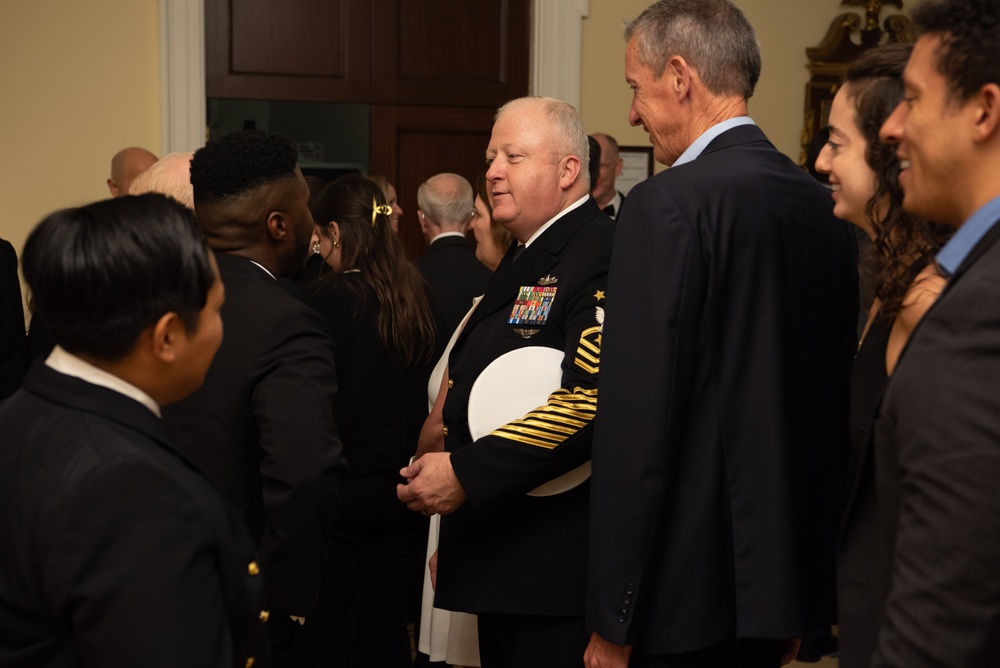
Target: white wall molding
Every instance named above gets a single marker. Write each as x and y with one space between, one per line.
182 74
556 48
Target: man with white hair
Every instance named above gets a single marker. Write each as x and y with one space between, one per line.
516 560
170 175
449 265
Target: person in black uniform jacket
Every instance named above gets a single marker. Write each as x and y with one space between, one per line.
937 435
13 343
518 561
378 309
449 264
116 551
262 425
731 325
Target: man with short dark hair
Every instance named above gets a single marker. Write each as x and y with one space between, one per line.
449 264
116 551
262 426
937 438
513 559
727 346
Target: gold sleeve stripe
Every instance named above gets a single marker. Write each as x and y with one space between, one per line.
596 359
595 349
593 370
547 426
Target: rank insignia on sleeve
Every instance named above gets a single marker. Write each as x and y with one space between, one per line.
532 305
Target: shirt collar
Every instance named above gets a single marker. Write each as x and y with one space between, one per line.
446 234
264 268
699 144
953 254
575 205
70 365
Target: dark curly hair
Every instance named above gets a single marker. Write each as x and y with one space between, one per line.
971 33
238 163
100 274
405 320
904 244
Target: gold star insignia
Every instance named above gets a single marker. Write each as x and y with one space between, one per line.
599 295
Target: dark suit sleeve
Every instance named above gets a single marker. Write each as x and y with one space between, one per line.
293 406
555 437
13 344
944 604
133 573
649 337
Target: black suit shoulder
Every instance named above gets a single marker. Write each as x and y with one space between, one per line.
101 518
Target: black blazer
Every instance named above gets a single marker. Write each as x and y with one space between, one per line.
455 278
937 443
503 551
261 428
13 344
116 551
732 305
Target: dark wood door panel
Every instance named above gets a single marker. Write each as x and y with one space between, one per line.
451 52
315 50
412 143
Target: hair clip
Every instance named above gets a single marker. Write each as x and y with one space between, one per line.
377 208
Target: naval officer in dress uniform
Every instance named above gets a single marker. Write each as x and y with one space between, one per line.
519 561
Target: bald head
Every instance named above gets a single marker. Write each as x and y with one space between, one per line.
127 164
445 202
170 175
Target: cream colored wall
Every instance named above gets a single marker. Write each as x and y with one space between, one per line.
785 28
79 80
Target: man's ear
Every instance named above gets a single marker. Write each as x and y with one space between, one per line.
277 227
113 187
166 336
678 74
569 170
619 164
987 112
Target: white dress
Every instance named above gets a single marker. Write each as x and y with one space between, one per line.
445 635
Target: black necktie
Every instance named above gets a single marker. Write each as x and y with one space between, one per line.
610 210
517 252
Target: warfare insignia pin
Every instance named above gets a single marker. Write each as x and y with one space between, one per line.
526 333
548 279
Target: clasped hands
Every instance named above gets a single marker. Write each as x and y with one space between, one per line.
431 485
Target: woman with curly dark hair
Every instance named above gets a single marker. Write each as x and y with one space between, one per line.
378 310
864 176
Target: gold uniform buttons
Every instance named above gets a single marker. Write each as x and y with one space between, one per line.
444 430
253 568
264 615
451 383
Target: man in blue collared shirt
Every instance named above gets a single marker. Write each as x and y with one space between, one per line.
937 439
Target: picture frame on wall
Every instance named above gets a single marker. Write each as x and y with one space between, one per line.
638 166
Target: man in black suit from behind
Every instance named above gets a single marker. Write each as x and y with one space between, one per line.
937 437
727 347
116 551
449 265
518 561
262 425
